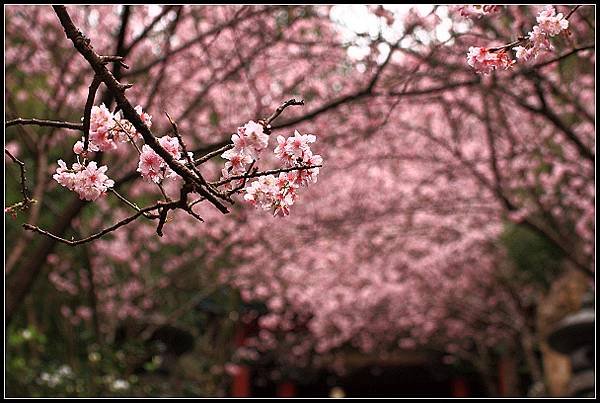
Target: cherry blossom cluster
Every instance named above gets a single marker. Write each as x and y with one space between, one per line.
108 129
485 61
549 24
152 166
294 152
279 194
90 182
248 143
269 192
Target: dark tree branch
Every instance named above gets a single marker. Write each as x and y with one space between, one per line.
186 45
146 31
87 113
571 12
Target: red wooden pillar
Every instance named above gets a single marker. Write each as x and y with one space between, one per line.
241 379
459 387
241 382
507 376
286 389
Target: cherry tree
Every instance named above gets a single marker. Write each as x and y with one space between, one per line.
440 177
432 142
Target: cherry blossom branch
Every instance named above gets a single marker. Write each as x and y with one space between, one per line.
82 44
213 154
523 39
264 173
251 169
129 136
186 189
132 141
520 40
43 122
193 179
163 208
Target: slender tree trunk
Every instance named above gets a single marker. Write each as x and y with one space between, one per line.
21 280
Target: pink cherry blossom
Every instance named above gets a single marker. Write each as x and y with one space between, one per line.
152 167
237 161
171 144
78 147
550 23
485 61
90 182
101 126
256 136
250 139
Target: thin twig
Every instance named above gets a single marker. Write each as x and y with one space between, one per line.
100 233
561 57
519 41
129 136
193 214
192 204
43 122
131 204
571 12
27 201
213 154
278 111
117 59
24 190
